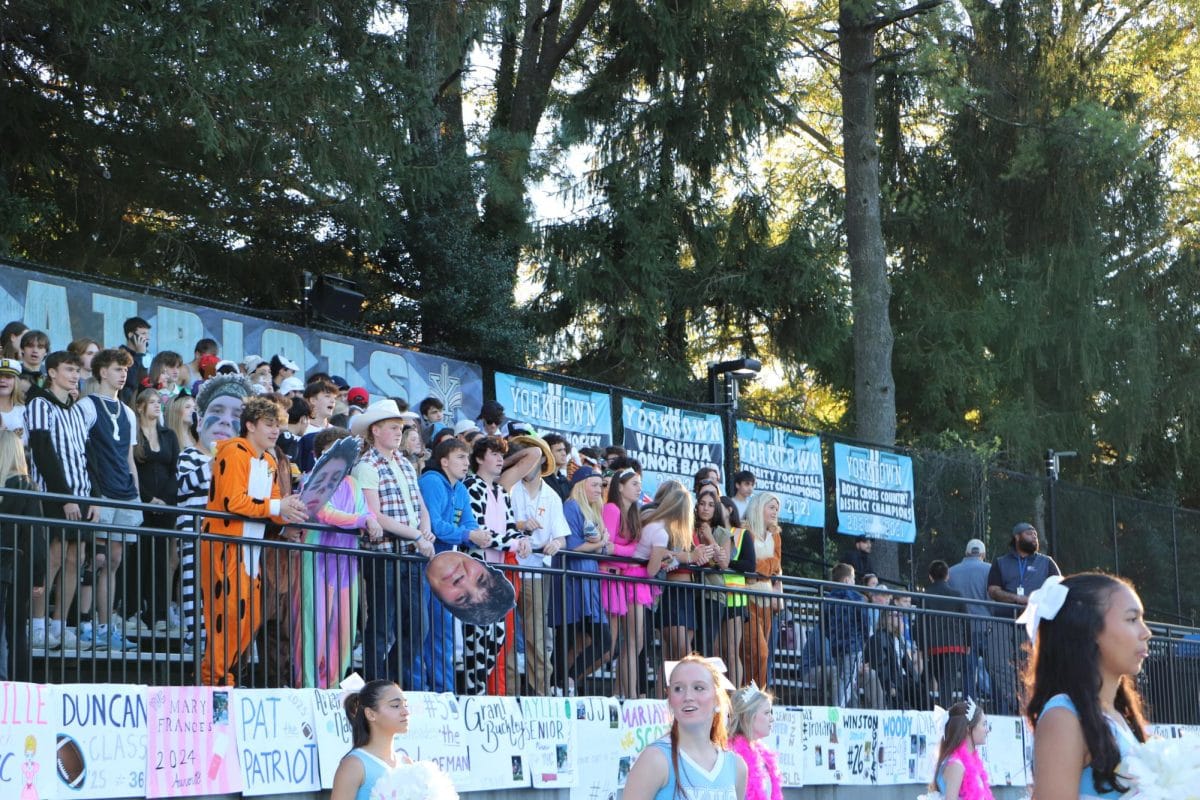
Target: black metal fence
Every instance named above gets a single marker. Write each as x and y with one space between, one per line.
313 613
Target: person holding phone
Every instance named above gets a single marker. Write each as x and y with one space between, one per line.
137 344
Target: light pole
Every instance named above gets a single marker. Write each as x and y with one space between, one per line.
1052 468
735 370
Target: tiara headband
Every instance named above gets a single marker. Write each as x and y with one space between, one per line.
1044 603
747 695
714 662
971 709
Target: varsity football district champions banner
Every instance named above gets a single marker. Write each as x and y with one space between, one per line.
787 464
670 443
584 417
874 493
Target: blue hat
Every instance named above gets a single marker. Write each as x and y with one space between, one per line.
582 474
339 382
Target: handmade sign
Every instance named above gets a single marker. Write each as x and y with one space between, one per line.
27 741
101 733
277 745
192 749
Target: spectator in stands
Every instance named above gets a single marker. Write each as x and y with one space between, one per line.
859 556
670 522
180 417
485 651
10 339
321 395
969 577
86 349
111 429
18 553
433 411
898 673
155 454
298 417
292 388
575 611
491 417
612 453
468 431
137 343
625 601
453 526
12 399
258 370
946 639
877 595
325 609
762 521
243 483
538 511
281 368
846 629
218 412
414 448
357 400
163 375
34 346
728 609
191 372
743 488
558 481
1012 578
706 476
393 588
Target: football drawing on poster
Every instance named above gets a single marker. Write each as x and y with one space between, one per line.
192 749
551 741
27 742
598 723
583 416
277 745
671 443
874 493
101 739
788 464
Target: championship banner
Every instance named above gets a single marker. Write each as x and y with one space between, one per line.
192 749
67 309
823 754
583 416
874 493
551 741
101 740
670 443
27 741
597 722
334 737
787 464
277 745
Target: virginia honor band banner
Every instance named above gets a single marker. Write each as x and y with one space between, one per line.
583 416
68 309
874 493
671 443
787 464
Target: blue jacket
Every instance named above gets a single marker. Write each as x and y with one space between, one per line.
449 510
846 622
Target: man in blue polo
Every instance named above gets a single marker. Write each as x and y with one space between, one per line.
1013 577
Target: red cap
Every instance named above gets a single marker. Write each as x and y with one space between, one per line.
358 397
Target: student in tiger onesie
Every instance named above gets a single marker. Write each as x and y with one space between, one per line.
243 483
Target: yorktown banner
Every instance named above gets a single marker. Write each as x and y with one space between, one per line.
583 416
787 464
671 443
874 493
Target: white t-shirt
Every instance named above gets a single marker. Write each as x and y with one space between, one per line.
546 507
15 421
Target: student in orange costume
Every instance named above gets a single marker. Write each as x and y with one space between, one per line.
243 483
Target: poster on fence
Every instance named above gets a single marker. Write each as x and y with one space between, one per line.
495 736
551 741
874 493
1008 746
671 443
598 723
924 737
1174 731
101 740
67 309
192 749
277 745
642 722
334 737
27 740
436 733
787 740
824 754
583 416
787 464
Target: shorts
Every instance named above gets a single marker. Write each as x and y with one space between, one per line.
122 519
677 606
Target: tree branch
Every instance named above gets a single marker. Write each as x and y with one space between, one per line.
884 20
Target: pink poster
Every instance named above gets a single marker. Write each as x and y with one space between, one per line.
27 741
192 745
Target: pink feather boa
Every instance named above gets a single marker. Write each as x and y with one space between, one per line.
975 784
758 757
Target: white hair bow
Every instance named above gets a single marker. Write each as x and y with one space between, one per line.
1044 603
712 661
351 684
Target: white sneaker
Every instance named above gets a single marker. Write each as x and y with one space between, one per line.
40 638
65 636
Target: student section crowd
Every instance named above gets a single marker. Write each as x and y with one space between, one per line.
243 439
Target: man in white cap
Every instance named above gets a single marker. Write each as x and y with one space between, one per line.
389 484
969 577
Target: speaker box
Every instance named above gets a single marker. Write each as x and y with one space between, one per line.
336 299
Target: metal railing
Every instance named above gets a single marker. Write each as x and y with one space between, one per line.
315 612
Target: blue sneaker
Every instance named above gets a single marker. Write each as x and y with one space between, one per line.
115 641
86 639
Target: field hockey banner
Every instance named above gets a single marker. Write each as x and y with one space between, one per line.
874 493
671 443
68 309
583 416
101 740
787 464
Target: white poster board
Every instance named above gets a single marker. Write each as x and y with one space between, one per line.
277 744
551 741
598 724
27 741
102 737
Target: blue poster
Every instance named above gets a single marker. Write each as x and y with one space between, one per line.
874 493
40 300
670 443
584 417
787 464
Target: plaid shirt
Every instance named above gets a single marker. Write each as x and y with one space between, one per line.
399 496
